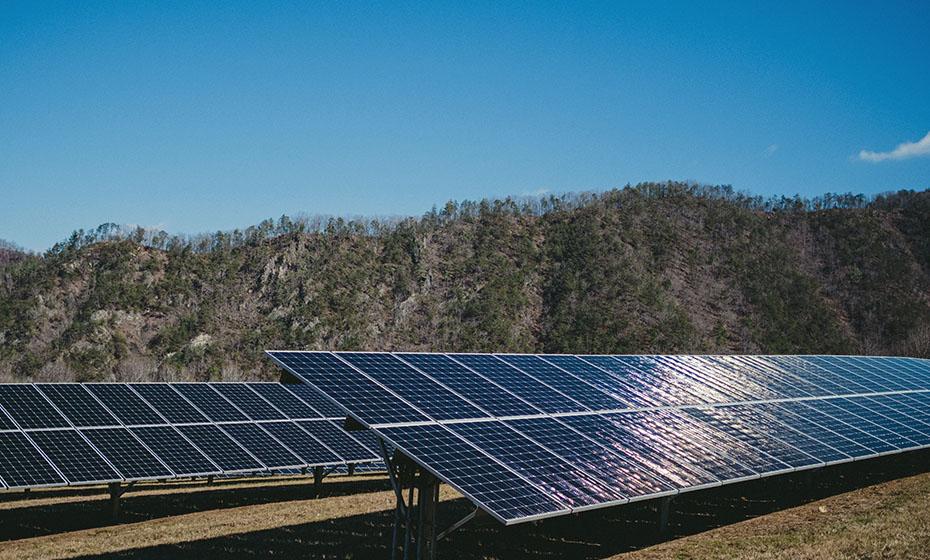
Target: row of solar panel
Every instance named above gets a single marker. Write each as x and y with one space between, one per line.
384 389
525 469
68 433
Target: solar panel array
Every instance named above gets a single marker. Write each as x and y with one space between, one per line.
532 436
54 434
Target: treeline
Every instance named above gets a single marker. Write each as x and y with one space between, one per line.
656 267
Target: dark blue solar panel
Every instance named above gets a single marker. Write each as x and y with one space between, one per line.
559 379
26 405
308 448
21 464
870 443
807 426
211 403
260 443
414 387
636 384
702 372
497 489
6 423
601 379
74 457
368 401
248 401
220 448
125 404
338 440
631 478
901 414
562 480
540 395
830 382
687 445
871 382
314 399
876 425
169 403
642 451
127 454
722 420
79 406
284 400
176 452
481 391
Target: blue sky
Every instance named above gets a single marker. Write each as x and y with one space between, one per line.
203 116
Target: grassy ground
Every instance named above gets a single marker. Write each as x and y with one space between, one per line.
877 510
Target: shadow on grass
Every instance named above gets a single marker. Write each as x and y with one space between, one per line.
591 535
26 520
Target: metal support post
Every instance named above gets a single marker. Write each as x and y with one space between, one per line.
317 482
115 493
209 479
665 509
428 502
351 467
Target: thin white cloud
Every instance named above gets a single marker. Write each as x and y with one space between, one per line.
770 150
920 148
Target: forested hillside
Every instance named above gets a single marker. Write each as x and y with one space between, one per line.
653 268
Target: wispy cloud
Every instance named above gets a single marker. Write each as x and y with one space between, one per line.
920 148
537 192
770 151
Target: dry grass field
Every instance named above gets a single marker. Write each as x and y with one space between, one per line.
880 509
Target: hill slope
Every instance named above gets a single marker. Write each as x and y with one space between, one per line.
652 268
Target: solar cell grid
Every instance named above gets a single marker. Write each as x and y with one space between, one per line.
260 444
598 378
211 403
876 426
531 390
309 449
77 404
483 392
873 368
284 400
561 380
369 402
631 381
22 465
125 404
499 490
832 382
414 387
561 479
721 419
127 454
175 451
315 400
911 427
337 439
808 416
169 403
220 448
763 420
6 423
709 377
871 383
248 401
630 478
26 405
73 456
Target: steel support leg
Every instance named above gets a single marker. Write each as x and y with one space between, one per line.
351 467
115 493
317 482
427 504
665 510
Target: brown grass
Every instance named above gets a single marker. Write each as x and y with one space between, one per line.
278 518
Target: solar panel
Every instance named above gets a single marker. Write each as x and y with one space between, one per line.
130 457
590 431
6 423
76 459
483 392
24 466
79 406
412 386
211 403
333 437
314 399
500 491
125 404
370 402
310 450
220 448
284 400
248 401
26 405
267 449
530 389
169 403
175 451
